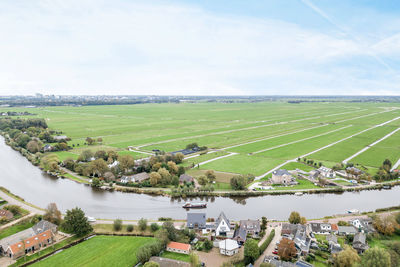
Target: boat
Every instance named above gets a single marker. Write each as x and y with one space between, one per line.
387 186
199 205
298 193
91 219
353 211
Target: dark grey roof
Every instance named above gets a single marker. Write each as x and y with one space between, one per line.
347 229
185 178
220 218
240 233
360 237
42 226
196 218
303 264
253 225
281 172
331 238
279 263
301 240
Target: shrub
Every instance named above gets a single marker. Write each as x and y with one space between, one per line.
117 225
129 228
142 224
154 227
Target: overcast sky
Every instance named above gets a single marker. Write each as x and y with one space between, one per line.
199 47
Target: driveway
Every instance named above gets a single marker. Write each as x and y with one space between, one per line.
215 259
271 247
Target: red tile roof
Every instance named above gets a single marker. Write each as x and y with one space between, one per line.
334 227
176 245
31 241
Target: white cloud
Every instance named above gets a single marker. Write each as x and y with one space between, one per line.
100 47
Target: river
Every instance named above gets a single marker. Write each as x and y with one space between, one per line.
27 181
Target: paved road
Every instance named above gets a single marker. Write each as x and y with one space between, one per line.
272 245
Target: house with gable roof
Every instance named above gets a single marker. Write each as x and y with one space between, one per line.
222 225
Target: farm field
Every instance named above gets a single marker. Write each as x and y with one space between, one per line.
260 135
99 251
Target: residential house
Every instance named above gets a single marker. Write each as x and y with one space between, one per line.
335 228
320 228
334 246
291 229
363 224
302 241
283 177
47 148
228 247
360 242
240 235
6 214
184 178
222 225
60 137
136 178
347 230
252 227
327 172
30 245
38 228
178 247
353 172
196 220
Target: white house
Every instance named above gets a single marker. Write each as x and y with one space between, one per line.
222 225
327 172
228 247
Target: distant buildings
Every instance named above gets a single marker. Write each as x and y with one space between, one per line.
185 178
136 178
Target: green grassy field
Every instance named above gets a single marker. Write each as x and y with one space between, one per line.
15 229
263 134
176 256
99 251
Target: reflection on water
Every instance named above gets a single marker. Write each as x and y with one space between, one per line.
22 178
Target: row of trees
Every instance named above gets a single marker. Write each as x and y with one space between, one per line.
240 182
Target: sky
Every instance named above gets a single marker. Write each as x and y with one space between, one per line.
211 47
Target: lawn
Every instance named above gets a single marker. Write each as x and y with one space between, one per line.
303 184
99 251
298 165
176 256
382 241
15 229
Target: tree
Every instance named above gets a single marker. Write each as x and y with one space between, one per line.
303 220
202 180
346 258
397 216
126 162
210 175
208 245
386 225
90 140
109 176
286 249
162 235
22 140
251 251
142 224
129 227
52 214
86 155
143 254
99 140
170 228
76 222
238 182
194 260
165 176
69 163
117 225
264 222
155 178
172 167
294 217
179 157
99 166
33 146
151 264
96 182
14 209
100 154
375 257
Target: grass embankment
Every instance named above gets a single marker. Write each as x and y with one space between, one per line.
108 229
176 256
76 178
99 251
7 192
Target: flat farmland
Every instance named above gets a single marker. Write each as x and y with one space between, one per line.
260 135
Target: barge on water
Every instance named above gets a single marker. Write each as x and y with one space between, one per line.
189 205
